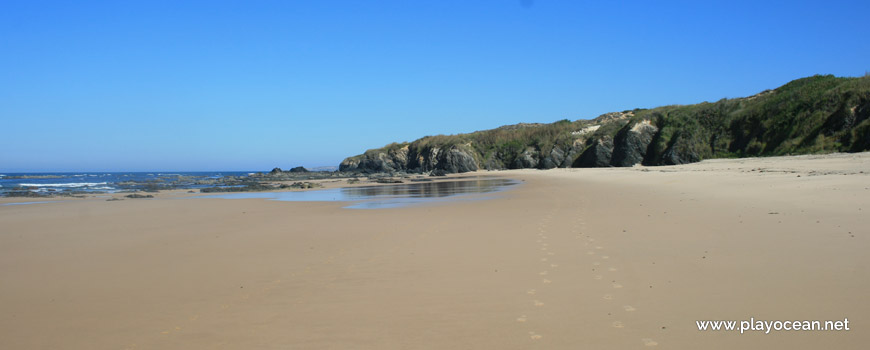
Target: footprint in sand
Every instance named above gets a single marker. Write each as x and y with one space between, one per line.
617 285
538 241
542 273
531 292
543 259
544 248
546 281
521 318
537 303
618 324
649 342
598 277
596 263
605 257
589 252
534 336
608 297
599 247
554 265
551 253
611 269
628 308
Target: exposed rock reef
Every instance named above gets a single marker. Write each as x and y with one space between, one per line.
818 114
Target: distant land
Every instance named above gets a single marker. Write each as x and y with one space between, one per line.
818 114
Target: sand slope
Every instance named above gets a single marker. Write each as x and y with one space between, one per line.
573 258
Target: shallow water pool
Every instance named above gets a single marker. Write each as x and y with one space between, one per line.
386 196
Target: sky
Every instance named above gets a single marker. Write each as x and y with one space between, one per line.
252 85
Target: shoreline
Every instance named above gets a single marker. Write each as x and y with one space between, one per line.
749 164
611 258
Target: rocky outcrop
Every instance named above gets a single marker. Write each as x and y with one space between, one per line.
680 152
554 159
527 159
809 115
598 154
279 171
451 160
377 161
631 143
404 159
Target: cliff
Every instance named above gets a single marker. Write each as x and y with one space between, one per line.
811 115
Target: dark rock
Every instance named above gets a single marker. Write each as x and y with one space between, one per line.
597 155
456 161
242 187
450 160
377 161
528 159
388 181
136 195
494 163
554 159
680 152
19 192
300 185
299 169
631 143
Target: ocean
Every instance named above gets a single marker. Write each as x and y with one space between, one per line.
109 182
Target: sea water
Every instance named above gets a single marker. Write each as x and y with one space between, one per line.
105 181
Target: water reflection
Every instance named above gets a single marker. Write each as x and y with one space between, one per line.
386 196
426 189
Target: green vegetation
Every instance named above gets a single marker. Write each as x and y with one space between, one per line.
503 145
811 115
817 114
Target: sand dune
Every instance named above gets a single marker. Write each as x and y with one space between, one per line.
572 258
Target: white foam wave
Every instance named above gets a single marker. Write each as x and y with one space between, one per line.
72 184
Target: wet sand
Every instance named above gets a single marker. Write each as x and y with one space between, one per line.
572 258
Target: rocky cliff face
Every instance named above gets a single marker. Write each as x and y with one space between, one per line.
405 159
597 155
377 161
455 159
631 143
816 114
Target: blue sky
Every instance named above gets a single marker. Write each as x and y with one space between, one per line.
250 85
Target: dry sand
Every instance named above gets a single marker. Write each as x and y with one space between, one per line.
572 258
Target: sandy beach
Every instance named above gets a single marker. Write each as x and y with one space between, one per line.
608 258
